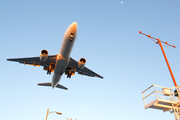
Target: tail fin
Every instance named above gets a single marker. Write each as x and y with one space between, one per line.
49 84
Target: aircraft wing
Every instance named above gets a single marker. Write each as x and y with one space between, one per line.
51 60
35 61
73 64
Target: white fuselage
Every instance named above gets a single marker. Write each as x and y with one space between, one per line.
63 57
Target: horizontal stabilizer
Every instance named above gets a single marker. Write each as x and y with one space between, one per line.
45 84
62 87
49 84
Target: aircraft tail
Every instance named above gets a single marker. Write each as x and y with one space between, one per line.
49 84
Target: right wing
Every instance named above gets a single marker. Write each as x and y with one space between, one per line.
73 64
35 61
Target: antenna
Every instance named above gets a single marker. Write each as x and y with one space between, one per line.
157 41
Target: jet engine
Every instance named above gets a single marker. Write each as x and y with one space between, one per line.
43 55
81 63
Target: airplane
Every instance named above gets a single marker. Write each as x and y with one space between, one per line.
60 63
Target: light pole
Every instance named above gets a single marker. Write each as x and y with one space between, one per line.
60 113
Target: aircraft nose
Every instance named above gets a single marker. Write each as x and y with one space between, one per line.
73 27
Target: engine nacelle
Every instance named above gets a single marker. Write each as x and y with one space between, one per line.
81 63
43 55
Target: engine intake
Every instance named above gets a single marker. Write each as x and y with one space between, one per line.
81 63
43 55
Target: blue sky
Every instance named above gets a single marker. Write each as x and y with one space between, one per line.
109 40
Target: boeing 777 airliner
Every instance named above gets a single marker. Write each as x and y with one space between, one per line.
60 63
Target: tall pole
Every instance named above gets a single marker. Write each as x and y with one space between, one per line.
167 62
47 113
160 44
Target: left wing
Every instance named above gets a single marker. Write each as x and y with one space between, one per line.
35 61
73 65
